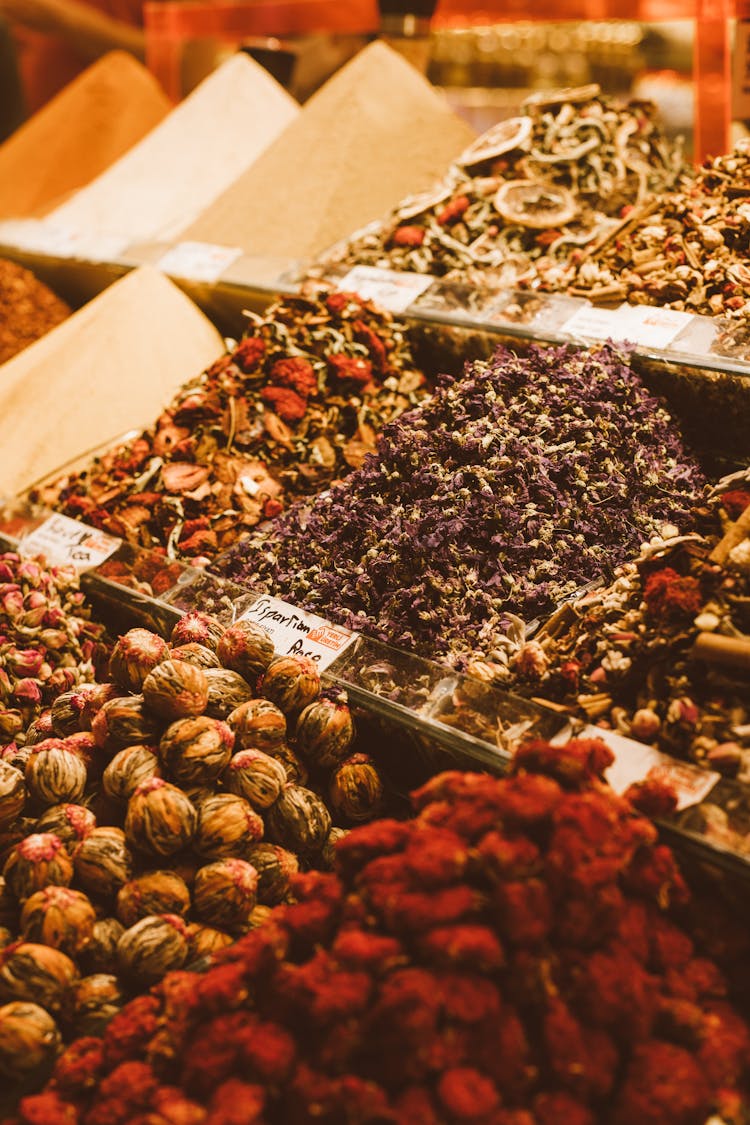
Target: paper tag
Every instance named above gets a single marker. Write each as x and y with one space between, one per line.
40 236
653 327
392 290
591 323
295 632
66 542
199 261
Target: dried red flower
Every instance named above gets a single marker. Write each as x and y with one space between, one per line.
287 404
296 373
670 596
467 1094
236 1103
735 501
375 346
249 353
652 797
663 1083
48 1109
355 368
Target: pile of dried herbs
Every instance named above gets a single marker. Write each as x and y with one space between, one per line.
28 309
504 493
529 196
295 405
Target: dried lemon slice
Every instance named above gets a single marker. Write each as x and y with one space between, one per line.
501 138
528 203
572 95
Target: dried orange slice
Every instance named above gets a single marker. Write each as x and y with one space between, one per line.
545 99
529 203
501 138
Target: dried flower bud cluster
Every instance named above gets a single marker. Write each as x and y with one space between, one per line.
28 309
295 405
513 955
495 497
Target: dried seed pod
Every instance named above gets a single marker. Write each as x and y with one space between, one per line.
124 721
12 793
204 941
226 826
128 769
276 867
328 853
155 892
160 818
69 710
246 648
37 862
103 861
256 776
299 820
29 1038
199 655
196 751
38 973
60 917
197 628
226 690
100 955
225 893
92 1002
175 690
324 733
356 789
152 947
258 725
54 774
133 657
291 682
70 822
296 770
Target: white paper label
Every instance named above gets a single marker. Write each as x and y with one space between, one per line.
66 542
39 236
590 323
198 261
393 291
652 327
295 632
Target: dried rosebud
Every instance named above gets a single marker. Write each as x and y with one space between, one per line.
152 947
100 955
196 751
246 648
36 862
103 861
227 824
122 722
128 769
258 724
226 691
133 657
29 1038
197 628
255 776
225 893
70 822
299 820
276 867
60 917
92 1002
12 793
291 682
54 774
160 818
356 789
324 732
198 655
37 973
155 892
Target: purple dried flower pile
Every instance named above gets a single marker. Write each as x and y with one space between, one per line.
509 489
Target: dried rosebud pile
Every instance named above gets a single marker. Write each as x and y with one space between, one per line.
48 643
28 309
526 199
511 956
294 406
505 492
165 813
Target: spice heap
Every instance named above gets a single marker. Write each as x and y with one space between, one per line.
662 654
373 133
529 196
28 309
511 955
493 497
165 180
48 644
111 364
163 814
294 406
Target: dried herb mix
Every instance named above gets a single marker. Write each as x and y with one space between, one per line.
28 309
294 406
503 493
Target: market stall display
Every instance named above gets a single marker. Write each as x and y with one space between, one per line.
112 363
186 161
84 129
501 495
519 951
373 133
28 309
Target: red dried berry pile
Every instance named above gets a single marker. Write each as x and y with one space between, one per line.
508 957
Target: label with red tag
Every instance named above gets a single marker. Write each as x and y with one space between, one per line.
298 633
66 542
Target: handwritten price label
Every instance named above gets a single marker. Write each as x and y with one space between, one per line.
297 633
389 289
66 542
198 261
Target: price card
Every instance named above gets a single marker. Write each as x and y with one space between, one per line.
198 261
394 291
295 632
40 236
590 323
66 542
653 327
